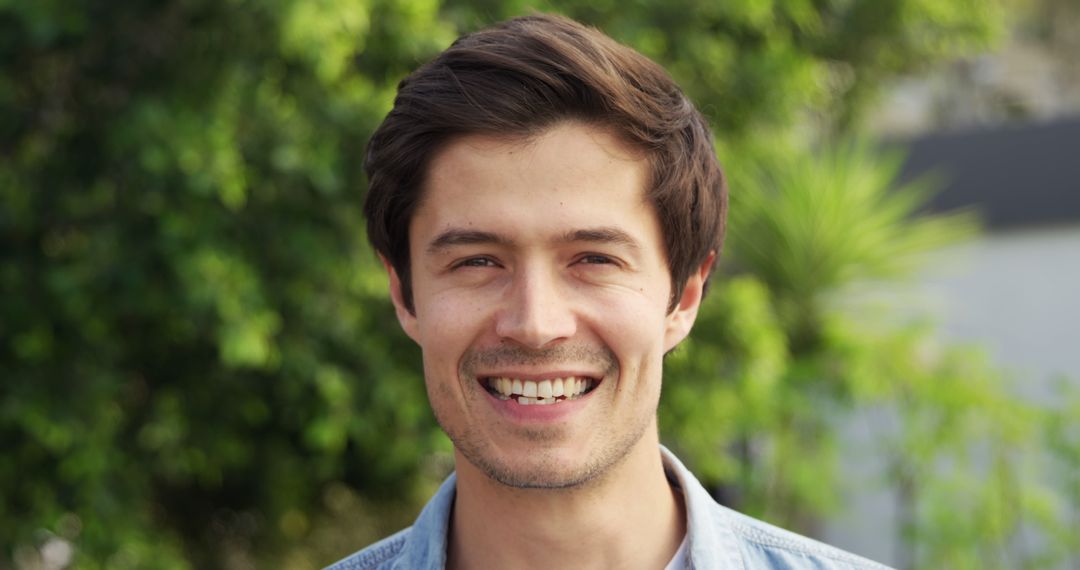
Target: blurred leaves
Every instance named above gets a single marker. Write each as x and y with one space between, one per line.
810 223
187 330
783 364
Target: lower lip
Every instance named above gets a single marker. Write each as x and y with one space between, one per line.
538 413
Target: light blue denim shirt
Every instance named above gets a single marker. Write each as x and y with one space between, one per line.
718 537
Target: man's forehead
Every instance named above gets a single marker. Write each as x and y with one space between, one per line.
579 150
571 183
480 147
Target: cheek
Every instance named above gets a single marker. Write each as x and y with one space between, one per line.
632 326
447 327
441 390
441 318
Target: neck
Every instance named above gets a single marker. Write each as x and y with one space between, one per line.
629 517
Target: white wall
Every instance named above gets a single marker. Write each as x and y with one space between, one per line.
1017 294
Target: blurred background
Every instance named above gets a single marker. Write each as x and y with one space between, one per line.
200 367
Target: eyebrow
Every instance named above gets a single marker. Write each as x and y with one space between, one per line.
601 235
453 237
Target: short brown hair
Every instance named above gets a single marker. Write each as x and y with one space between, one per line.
522 76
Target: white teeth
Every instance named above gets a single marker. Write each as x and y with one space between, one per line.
557 387
544 392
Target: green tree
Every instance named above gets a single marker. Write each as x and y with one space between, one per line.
756 67
785 351
195 338
806 228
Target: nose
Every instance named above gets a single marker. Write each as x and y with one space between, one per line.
537 311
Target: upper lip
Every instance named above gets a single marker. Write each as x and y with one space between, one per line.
537 376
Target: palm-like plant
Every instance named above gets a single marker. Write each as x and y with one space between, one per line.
809 224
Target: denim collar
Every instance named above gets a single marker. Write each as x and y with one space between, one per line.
711 541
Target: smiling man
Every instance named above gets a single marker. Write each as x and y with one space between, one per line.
549 207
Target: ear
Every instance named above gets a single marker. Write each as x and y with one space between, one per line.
681 319
404 317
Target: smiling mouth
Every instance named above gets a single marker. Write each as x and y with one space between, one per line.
542 393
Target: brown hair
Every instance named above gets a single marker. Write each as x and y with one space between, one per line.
524 75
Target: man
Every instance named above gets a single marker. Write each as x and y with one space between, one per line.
549 207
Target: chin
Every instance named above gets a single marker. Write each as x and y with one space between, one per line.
533 465
543 470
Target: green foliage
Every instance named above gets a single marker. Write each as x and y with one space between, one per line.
192 324
757 66
782 356
804 227
198 361
809 224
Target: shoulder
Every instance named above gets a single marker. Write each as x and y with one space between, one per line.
723 538
421 546
379 556
766 546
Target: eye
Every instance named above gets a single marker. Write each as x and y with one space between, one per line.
475 262
596 259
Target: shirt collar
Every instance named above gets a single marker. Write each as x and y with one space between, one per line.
425 546
711 541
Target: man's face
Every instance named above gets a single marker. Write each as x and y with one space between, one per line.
540 287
